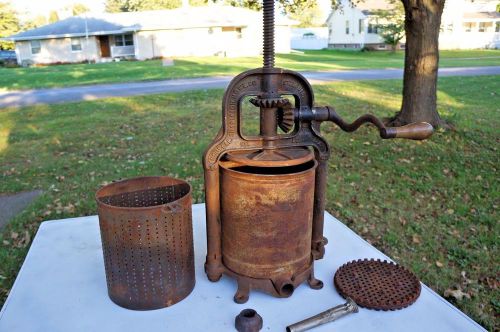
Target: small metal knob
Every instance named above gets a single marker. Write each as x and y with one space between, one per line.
248 320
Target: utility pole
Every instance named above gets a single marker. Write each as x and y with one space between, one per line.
86 39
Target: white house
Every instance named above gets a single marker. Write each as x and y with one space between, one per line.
355 26
187 31
465 24
470 25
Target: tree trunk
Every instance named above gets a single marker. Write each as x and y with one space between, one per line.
422 23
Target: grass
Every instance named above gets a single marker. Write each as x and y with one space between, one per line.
79 74
430 205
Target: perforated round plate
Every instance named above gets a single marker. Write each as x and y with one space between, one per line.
376 284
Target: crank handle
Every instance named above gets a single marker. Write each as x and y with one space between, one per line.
415 131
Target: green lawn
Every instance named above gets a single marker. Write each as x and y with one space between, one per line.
67 75
430 205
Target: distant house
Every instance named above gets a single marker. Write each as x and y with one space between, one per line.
355 26
470 25
465 24
187 31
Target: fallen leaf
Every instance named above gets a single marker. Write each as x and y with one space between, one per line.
24 241
416 239
439 264
457 294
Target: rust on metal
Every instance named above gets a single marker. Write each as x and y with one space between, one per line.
261 203
147 241
262 209
376 284
271 158
248 320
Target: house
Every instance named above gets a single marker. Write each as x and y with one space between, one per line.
470 25
465 24
187 31
355 26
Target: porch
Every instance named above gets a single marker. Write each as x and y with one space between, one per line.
116 46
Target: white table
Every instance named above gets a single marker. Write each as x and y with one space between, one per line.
62 287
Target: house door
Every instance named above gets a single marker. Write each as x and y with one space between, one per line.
104 43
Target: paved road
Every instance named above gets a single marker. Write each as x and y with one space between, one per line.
92 92
11 205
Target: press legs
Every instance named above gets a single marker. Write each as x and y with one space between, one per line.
241 295
313 282
213 264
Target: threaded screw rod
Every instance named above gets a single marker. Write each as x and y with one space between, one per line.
268 47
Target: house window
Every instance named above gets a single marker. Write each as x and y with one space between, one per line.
124 40
361 26
233 29
497 27
76 44
346 27
309 35
372 28
485 26
468 26
381 47
36 47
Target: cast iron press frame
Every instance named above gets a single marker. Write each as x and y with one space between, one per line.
268 85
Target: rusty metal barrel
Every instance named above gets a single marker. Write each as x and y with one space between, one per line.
266 220
147 241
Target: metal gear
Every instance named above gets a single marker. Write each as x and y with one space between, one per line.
269 102
286 118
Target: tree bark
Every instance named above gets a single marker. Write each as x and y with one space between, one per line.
422 24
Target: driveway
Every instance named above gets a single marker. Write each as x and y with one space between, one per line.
93 92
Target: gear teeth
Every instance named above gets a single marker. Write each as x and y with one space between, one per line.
269 102
286 119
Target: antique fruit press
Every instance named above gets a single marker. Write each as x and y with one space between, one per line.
265 194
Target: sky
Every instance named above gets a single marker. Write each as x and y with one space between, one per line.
32 8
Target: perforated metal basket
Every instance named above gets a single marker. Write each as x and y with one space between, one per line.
147 241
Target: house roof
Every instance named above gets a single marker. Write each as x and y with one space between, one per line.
114 23
482 15
72 27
